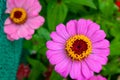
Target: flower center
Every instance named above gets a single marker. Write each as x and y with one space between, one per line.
18 15
78 47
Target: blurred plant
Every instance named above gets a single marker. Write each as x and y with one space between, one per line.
23 72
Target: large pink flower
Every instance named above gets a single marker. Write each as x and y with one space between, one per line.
24 18
78 49
99 77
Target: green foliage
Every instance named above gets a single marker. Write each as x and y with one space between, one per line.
103 12
88 3
107 7
56 13
55 76
37 68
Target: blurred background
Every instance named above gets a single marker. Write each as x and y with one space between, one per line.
34 64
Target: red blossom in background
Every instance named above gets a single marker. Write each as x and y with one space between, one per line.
118 4
23 72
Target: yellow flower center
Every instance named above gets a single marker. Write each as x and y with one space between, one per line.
18 15
78 47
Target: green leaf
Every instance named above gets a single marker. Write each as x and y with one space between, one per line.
115 47
56 13
88 3
37 68
43 33
115 29
76 8
111 69
107 7
55 76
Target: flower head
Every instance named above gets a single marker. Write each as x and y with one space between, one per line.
78 49
24 19
23 72
99 77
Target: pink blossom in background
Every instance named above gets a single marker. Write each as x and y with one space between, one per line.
24 19
99 77
78 49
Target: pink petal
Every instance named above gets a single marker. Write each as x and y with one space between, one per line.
61 30
35 22
35 9
101 52
80 77
92 29
100 59
50 53
30 30
55 37
56 57
64 67
101 78
71 27
54 45
86 71
88 22
75 70
11 28
8 37
101 44
82 26
19 3
98 35
94 66
22 31
14 36
8 21
28 4
10 5
28 37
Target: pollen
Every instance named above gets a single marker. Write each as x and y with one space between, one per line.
78 47
18 15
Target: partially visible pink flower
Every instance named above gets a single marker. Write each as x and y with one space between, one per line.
99 77
23 72
24 19
78 49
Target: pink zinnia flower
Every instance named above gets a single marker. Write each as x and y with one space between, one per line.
99 77
23 72
78 49
24 19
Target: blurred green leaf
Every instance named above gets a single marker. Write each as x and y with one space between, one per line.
115 29
55 76
43 33
77 8
112 67
115 47
88 3
107 7
56 13
37 68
